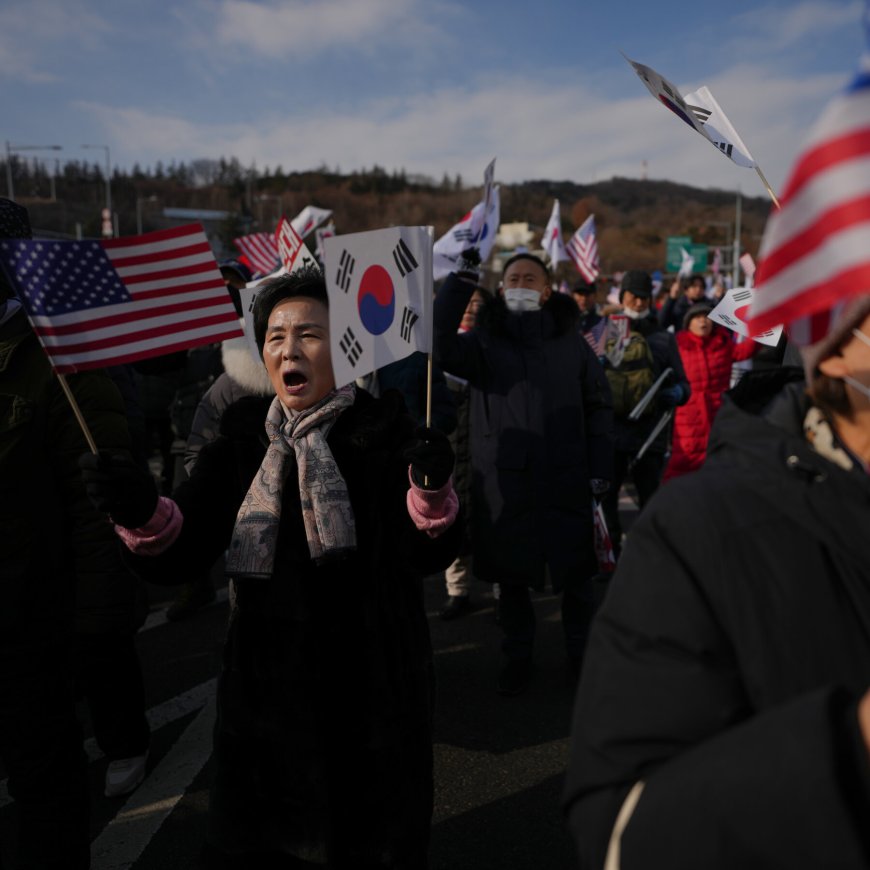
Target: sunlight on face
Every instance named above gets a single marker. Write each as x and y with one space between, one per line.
296 352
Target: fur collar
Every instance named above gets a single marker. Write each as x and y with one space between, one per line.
243 368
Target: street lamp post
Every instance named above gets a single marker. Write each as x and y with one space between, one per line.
12 149
263 197
139 201
108 187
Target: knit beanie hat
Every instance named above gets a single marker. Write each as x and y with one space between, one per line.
637 282
696 310
14 224
14 220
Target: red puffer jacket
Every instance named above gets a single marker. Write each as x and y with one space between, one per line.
707 362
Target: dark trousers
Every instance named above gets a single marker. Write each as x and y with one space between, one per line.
109 677
646 475
41 748
517 618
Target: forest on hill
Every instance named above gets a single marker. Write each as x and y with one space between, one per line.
633 217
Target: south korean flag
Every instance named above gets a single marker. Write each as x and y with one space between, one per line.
380 298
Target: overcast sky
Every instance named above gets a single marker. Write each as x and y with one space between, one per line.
431 86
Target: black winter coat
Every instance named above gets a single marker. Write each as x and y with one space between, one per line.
324 741
541 428
724 666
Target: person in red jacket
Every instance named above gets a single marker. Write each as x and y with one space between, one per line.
708 352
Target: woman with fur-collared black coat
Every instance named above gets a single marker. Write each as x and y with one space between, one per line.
323 743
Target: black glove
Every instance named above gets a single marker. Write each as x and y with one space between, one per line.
431 458
119 487
670 397
469 263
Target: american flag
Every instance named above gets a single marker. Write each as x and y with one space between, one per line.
815 253
582 247
261 249
98 303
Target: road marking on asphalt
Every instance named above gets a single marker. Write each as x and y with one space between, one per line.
158 617
169 711
497 776
456 648
125 838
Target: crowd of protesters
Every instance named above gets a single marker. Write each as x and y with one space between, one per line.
723 674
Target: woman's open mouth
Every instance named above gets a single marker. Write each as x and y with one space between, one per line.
295 382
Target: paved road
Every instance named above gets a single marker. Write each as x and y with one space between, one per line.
498 761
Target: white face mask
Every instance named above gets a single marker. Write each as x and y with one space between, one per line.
634 314
522 299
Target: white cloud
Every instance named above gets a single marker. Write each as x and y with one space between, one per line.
294 27
536 131
774 29
31 34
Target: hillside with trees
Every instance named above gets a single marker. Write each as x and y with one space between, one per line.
633 217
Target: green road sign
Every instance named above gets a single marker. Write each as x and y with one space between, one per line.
674 256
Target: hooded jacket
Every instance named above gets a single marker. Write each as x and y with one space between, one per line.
725 664
541 428
707 362
242 376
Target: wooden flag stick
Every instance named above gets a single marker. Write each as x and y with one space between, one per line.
77 411
428 403
767 185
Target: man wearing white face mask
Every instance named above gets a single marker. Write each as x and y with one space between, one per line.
541 446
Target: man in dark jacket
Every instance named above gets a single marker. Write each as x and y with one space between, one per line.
723 718
541 445
51 538
631 436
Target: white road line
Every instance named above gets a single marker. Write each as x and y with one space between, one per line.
125 838
169 711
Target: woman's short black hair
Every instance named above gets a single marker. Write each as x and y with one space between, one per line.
308 282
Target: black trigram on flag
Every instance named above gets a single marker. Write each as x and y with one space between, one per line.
463 235
701 115
404 258
345 271
724 147
729 320
742 296
351 347
409 318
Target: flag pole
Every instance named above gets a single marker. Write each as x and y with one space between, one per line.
428 402
77 411
767 185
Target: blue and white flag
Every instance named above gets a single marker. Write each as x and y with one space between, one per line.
380 298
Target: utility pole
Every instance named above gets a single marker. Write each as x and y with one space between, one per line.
735 265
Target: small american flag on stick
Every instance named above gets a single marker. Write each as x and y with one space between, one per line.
261 249
582 247
99 303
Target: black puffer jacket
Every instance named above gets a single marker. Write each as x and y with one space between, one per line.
541 428
724 667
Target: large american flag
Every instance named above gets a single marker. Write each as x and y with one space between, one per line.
582 247
261 249
98 303
815 253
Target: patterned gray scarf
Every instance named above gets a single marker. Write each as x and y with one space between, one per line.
326 510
